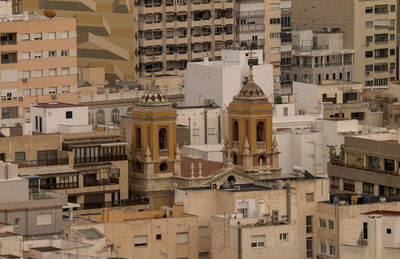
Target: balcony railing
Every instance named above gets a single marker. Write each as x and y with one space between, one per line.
360 167
251 27
101 182
45 195
109 204
50 186
9 42
9 61
36 163
78 160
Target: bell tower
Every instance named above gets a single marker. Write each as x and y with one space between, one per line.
155 155
250 139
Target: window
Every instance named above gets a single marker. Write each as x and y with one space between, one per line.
52 72
285 111
26 92
9 113
368 39
388 231
322 223
100 117
383 37
52 90
274 35
258 241
68 114
273 7
37 55
309 224
283 236
19 156
65 89
275 21
26 36
138 138
327 76
310 197
331 224
26 55
52 36
182 238
17 222
380 9
260 131
52 53
332 249
140 241
368 189
39 91
65 71
26 74
322 247
158 236
392 37
369 9
38 73
392 52
64 35
369 54
309 247
204 231
44 219
365 230
64 53
37 36
115 116
369 24
392 8
162 138
235 131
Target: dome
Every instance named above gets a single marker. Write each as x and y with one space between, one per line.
251 89
153 96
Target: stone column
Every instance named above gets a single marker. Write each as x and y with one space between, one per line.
340 184
376 189
358 187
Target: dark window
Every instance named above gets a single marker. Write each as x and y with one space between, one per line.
389 165
162 138
357 115
392 52
68 115
369 9
368 189
235 131
388 231
365 230
158 236
309 224
392 8
260 131
9 112
309 247
20 156
138 138
163 167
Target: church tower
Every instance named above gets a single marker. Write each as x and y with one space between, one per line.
155 155
251 144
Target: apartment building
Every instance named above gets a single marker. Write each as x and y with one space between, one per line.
31 212
369 28
259 26
369 165
318 56
90 168
134 39
164 233
38 63
286 46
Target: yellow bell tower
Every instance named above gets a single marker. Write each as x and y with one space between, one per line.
251 145
155 155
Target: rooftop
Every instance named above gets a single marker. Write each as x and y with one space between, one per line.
90 233
248 187
55 105
29 17
46 249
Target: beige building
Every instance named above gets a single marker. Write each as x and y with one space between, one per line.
369 28
168 233
10 242
38 62
91 168
369 164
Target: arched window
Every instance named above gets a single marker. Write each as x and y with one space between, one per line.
115 116
162 138
138 138
235 159
260 131
100 117
235 131
163 167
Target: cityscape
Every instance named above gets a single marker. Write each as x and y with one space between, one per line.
200 129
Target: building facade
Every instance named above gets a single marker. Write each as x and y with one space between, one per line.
369 28
38 63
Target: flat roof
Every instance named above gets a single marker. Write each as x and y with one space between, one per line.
243 188
53 105
29 17
7 234
46 170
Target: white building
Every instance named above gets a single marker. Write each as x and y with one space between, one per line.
59 118
379 237
221 80
204 152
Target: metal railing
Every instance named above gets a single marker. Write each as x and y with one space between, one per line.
250 13
50 186
78 160
365 168
45 195
108 181
37 163
108 204
9 42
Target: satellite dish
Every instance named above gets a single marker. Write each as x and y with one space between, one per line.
49 13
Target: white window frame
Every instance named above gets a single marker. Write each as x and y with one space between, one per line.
39 73
66 89
65 71
52 72
182 238
53 36
26 55
64 34
257 241
140 241
25 36
37 36
44 219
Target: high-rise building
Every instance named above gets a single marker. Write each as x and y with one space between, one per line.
134 39
369 27
38 62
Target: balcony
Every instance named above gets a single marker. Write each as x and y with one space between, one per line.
251 27
8 38
79 160
254 13
9 58
36 163
101 182
50 186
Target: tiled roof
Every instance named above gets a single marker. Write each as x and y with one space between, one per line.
207 167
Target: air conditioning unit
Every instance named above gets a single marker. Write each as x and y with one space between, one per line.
54 96
24 80
276 216
21 98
